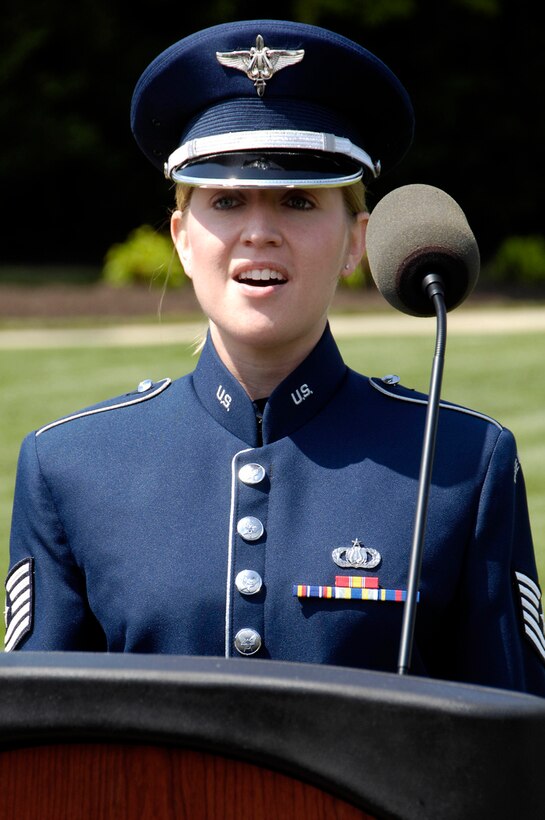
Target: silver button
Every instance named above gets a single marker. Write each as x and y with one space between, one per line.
247 641
250 528
248 582
251 473
144 386
393 380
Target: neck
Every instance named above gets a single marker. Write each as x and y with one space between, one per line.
260 369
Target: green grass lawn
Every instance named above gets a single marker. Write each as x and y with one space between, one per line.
499 375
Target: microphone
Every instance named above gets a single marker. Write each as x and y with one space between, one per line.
425 261
416 230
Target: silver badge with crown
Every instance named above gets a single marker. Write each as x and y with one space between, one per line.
260 63
356 556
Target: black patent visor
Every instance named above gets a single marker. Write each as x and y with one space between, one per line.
271 169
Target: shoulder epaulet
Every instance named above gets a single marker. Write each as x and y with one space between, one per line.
390 386
145 391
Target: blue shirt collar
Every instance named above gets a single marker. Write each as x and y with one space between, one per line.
291 405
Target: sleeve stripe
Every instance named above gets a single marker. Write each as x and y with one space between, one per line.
22 599
22 615
533 610
19 603
535 641
17 575
527 594
525 581
19 588
529 623
19 632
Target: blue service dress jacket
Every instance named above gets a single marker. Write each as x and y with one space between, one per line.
175 520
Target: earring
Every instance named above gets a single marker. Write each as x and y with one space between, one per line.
346 267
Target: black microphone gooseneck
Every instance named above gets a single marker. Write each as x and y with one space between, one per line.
425 261
432 284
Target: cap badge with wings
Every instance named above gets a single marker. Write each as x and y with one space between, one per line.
260 63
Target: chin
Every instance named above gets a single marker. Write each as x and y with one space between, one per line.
265 335
268 334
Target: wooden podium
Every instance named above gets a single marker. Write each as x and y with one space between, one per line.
139 736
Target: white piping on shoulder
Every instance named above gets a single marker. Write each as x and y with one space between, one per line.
458 409
229 585
162 385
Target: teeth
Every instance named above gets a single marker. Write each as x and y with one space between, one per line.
262 275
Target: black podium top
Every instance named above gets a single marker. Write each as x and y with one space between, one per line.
401 747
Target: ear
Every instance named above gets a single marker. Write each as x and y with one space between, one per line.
179 236
356 243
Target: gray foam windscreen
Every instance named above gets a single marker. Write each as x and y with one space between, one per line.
416 230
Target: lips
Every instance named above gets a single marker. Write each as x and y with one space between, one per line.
261 277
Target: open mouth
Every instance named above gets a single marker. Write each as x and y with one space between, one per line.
261 277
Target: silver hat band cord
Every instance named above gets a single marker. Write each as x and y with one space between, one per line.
265 140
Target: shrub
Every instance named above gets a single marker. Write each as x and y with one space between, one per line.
146 257
519 259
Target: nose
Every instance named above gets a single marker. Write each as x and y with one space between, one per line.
260 226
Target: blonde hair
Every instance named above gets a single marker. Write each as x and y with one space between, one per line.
353 196
182 195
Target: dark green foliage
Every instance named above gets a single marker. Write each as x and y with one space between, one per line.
519 259
147 257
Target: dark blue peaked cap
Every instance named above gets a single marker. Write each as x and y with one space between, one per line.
270 103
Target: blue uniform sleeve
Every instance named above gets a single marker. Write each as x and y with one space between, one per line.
46 604
498 626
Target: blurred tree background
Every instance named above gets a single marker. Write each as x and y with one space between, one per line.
74 183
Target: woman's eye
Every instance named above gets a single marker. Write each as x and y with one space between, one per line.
225 203
299 202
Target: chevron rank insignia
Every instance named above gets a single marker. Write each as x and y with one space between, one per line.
19 603
532 612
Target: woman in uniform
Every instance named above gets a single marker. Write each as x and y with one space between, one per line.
261 507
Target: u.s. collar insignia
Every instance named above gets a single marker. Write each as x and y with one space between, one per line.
260 63
356 556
